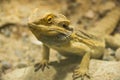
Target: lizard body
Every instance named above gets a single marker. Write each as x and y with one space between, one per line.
54 31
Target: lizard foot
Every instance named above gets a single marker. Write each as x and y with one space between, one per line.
80 73
42 65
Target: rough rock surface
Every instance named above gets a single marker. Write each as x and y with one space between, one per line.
117 54
105 70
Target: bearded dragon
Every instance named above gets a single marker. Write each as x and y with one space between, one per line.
54 31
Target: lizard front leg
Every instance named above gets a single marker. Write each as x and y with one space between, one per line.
45 58
82 69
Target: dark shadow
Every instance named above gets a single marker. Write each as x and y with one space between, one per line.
64 67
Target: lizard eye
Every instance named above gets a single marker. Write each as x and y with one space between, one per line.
49 19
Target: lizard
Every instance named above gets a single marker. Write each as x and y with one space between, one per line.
54 31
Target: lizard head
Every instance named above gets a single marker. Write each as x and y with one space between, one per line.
50 24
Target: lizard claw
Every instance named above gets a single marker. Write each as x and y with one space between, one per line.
41 65
81 73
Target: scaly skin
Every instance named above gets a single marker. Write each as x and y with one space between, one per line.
53 30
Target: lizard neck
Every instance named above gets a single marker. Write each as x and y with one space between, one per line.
56 40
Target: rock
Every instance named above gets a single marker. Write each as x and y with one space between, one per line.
105 70
117 54
109 55
6 32
5 65
107 6
19 53
113 41
22 64
90 14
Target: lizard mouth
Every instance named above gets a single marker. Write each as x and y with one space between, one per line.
49 29
59 32
33 26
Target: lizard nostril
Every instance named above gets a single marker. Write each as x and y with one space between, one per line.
67 27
